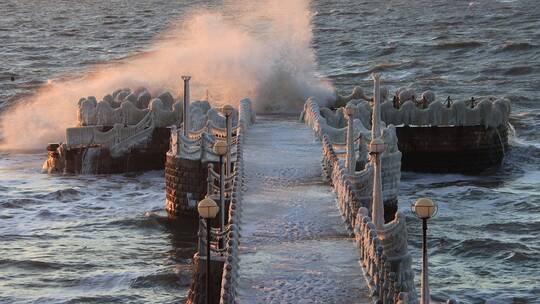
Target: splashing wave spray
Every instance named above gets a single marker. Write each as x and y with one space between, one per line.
262 52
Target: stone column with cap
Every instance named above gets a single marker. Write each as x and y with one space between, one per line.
376 148
350 162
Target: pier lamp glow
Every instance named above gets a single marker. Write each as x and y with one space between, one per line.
424 209
220 148
208 210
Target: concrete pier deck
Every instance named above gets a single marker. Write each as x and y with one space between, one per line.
295 248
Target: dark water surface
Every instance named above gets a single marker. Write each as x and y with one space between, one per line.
485 241
105 239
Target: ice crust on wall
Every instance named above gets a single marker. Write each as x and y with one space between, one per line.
135 116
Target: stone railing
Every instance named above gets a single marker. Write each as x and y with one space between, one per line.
486 112
199 144
385 259
406 109
117 139
126 118
383 254
229 281
129 108
224 249
337 138
337 175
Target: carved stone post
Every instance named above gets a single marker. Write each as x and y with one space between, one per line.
350 162
185 115
376 148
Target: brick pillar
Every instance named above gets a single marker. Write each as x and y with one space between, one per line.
183 176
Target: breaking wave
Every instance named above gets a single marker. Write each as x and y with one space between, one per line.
264 53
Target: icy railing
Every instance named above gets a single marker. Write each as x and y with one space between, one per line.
201 147
487 112
156 116
324 121
405 109
129 108
117 139
337 138
233 191
383 253
229 280
122 136
199 144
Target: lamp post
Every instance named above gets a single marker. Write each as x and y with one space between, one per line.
186 104
227 111
208 210
376 148
220 148
424 209
351 159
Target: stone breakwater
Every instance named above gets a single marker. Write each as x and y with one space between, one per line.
128 131
434 136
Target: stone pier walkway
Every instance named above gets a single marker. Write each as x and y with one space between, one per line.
294 246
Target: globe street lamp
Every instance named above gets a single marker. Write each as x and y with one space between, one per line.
208 210
220 148
424 209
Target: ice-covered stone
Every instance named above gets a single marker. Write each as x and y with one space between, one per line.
87 112
107 115
167 100
131 115
143 100
121 96
108 98
132 98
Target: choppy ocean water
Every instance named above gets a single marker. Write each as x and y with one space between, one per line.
105 238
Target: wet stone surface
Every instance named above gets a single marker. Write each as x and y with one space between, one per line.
295 248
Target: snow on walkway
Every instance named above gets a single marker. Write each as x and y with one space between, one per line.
294 246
